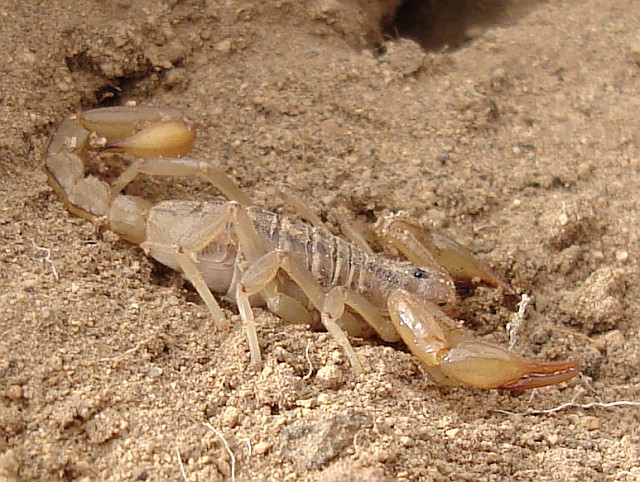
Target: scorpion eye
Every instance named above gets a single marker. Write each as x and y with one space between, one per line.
420 273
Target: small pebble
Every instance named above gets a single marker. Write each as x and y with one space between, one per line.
330 376
452 432
563 219
230 416
590 422
64 86
56 363
308 403
261 448
613 340
337 356
407 441
553 439
382 455
223 46
174 51
14 392
622 256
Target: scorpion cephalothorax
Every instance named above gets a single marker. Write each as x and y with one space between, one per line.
302 273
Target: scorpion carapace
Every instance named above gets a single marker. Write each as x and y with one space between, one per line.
302 273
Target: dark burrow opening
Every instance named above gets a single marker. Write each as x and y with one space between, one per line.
442 24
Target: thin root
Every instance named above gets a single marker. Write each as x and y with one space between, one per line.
247 441
182 471
232 457
306 354
118 358
47 259
574 404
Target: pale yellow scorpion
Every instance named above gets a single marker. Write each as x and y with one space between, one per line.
302 273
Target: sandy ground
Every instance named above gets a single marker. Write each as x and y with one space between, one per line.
521 140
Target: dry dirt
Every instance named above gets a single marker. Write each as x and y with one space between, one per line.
513 127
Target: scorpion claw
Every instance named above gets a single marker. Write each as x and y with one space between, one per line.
451 359
166 139
541 374
487 366
142 131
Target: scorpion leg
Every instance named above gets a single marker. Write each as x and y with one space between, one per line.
431 249
348 229
234 215
300 208
186 253
260 278
231 214
452 358
340 297
354 234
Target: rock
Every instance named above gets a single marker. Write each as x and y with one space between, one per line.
314 443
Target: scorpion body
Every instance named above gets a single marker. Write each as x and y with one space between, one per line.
331 260
302 273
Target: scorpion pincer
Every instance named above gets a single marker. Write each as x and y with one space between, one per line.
302 273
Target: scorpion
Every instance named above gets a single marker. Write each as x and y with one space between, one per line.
302 273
